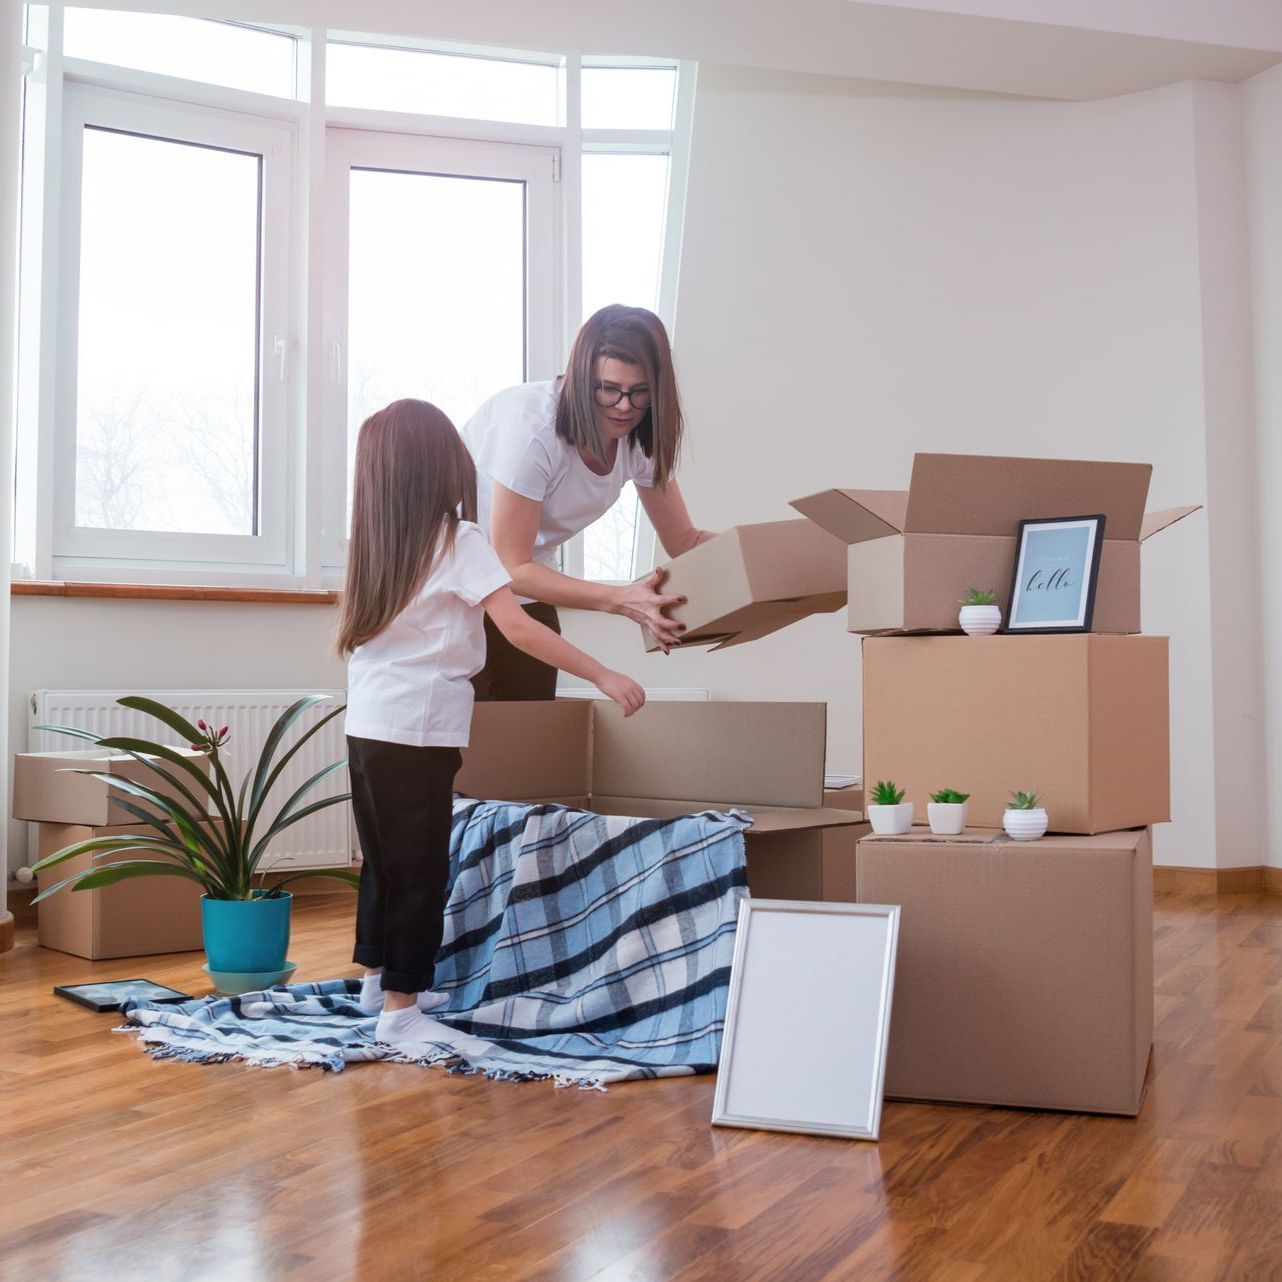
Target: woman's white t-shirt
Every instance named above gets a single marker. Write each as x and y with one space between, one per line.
513 442
411 683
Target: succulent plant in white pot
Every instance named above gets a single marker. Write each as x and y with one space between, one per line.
888 812
1025 819
980 615
947 812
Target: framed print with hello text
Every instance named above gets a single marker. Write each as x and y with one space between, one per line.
1056 571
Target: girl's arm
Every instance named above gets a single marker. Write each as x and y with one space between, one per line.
531 636
666 508
514 524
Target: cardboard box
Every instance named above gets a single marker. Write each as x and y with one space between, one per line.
1025 970
47 789
913 554
752 580
130 919
1080 719
839 844
673 759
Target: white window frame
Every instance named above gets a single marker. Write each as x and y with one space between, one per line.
305 460
77 548
348 149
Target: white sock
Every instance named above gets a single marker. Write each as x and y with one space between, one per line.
371 998
410 1028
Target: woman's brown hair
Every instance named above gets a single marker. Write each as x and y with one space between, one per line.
414 481
637 337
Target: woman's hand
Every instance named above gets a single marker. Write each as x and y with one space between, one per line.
644 604
623 690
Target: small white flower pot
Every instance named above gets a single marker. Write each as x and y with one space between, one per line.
980 620
891 821
947 818
1025 825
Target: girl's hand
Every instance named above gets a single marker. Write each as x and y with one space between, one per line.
644 603
623 690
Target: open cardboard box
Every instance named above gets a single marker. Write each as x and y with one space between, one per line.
752 580
1025 969
132 918
673 759
914 553
1082 720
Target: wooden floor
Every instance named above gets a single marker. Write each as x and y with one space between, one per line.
114 1167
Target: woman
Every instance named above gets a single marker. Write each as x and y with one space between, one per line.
552 457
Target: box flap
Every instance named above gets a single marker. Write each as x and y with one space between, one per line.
764 754
977 494
1155 521
854 516
764 818
521 751
762 619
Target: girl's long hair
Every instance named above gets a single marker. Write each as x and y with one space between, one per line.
414 481
636 336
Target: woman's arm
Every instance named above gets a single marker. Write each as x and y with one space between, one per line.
514 524
666 508
531 636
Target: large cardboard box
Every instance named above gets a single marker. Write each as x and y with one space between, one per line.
130 919
1082 720
913 554
1025 970
752 580
672 759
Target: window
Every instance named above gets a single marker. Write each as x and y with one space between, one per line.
216 53
436 84
201 334
628 97
172 402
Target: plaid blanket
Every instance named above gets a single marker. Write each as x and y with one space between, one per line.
584 948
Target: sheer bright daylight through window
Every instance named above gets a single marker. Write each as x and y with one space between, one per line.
201 333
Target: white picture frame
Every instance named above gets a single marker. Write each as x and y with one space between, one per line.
808 1018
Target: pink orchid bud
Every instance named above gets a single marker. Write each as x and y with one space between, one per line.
223 731
197 747
202 725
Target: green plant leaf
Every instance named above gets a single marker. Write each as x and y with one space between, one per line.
264 777
92 878
262 843
318 778
94 845
352 879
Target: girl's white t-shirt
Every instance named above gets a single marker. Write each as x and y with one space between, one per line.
411 683
513 441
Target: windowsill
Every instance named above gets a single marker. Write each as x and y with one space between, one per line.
173 592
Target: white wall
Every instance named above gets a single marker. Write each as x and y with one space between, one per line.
868 272
1262 128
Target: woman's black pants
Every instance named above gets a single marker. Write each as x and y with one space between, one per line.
510 673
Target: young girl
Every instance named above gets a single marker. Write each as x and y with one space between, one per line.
420 579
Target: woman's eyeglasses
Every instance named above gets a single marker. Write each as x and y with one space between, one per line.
607 396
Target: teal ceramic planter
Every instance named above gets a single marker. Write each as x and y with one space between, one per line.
246 934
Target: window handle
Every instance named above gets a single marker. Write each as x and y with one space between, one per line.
278 348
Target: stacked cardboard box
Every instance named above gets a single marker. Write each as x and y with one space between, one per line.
130 919
1024 974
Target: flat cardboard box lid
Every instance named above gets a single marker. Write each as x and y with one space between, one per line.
47 789
764 818
990 495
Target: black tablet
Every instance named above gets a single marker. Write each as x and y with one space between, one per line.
109 994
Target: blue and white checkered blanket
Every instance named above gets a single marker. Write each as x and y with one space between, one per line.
584 948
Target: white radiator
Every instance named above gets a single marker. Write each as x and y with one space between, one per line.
323 840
